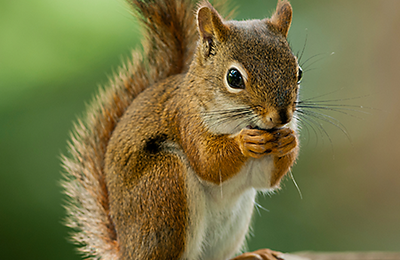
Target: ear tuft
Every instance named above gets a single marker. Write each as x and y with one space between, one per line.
210 23
282 18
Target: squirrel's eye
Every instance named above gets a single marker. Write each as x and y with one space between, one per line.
299 75
235 79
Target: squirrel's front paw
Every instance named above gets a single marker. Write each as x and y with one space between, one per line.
256 143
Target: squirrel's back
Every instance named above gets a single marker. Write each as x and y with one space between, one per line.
170 39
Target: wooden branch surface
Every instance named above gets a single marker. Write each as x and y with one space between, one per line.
343 256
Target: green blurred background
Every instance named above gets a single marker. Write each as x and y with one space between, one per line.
55 54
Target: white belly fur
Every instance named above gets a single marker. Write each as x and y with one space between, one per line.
221 214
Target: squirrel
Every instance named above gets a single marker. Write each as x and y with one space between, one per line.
169 158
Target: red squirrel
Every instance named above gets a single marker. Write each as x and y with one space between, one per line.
168 161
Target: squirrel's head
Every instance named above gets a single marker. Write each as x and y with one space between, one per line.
248 70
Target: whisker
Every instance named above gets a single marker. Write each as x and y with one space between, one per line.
255 120
319 96
312 57
317 123
313 99
306 121
341 110
331 120
225 111
229 117
304 48
304 124
307 68
295 183
258 207
233 119
250 119
336 107
326 118
331 105
220 183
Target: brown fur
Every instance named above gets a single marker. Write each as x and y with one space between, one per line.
88 206
127 173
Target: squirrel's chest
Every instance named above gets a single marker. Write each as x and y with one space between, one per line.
220 218
218 227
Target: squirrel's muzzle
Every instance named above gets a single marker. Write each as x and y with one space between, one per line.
280 117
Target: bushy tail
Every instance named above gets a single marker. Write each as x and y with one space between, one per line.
169 44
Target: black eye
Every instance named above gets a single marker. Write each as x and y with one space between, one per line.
299 75
235 79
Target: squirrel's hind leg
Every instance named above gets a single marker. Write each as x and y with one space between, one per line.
151 219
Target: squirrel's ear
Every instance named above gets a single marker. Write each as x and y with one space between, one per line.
282 18
210 25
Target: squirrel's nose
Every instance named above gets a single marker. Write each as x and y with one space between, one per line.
281 117
284 116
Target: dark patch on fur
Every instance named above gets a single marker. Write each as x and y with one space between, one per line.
153 145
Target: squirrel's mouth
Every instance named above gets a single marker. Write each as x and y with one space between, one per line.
260 128
255 127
